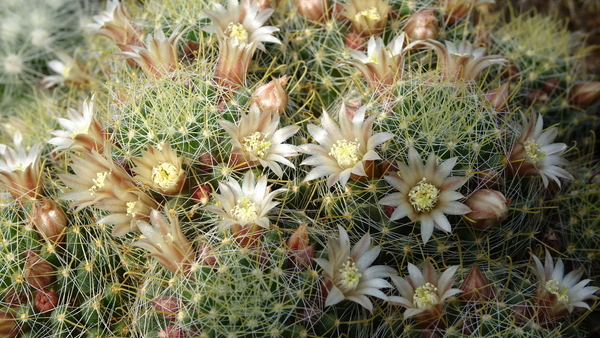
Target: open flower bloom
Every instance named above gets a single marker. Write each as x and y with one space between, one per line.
426 193
160 170
534 154
20 171
166 242
98 182
424 294
115 24
382 65
240 31
557 294
69 70
462 62
342 150
257 139
159 57
368 17
83 132
348 272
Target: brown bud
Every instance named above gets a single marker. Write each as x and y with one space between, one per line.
498 98
422 25
190 48
488 208
50 220
167 306
584 94
8 325
455 10
355 41
476 287
315 11
536 96
272 97
551 86
172 331
300 251
511 72
37 272
14 298
553 239
201 194
45 300
206 162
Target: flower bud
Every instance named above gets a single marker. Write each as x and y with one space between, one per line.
14 298
167 306
201 194
488 208
536 96
45 300
584 94
455 10
50 220
172 331
207 162
551 86
476 287
355 41
422 25
263 4
8 325
37 272
498 98
301 253
205 254
312 10
271 97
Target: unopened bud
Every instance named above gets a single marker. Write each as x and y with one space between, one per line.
476 287
312 10
202 194
536 96
355 41
8 325
206 255
38 272
263 4
511 72
272 97
167 306
551 86
14 298
301 252
584 94
488 208
498 98
50 220
422 25
454 10
172 331
45 300
207 162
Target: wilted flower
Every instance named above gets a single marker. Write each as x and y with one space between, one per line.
83 132
244 208
488 208
462 62
166 242
161 170
315 11
344 150
424 294
115 24
272 98
37 271
20 172
534 154
257 139
422 25
348 272
159 57
584 94
454 10
426 193
368 17
557 294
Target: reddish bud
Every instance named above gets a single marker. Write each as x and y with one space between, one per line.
272 97
37 272
315 11
8 325
45 300
205 254
301 252
201 194
355 41
511 72
488 208
207 162
172 331
50 220
476 287
167 306
422 25
498 98
14 298
584 94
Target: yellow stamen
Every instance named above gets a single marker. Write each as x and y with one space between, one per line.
345 153
425 296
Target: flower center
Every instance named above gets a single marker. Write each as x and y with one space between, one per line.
423 196
349 277
425 296
245 210
256 144
237 30
370 13
533 152
130 208
373 59
345 153
558 290
165 175
98 182
83 130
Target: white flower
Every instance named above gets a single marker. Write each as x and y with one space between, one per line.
348 272
368 17
20 171
342 150
534 154
82 130
69 72
256 138
426 193
424 294
159 56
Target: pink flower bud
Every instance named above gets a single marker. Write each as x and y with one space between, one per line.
45 300
205 254
584 94
37 272
422 25
476 287
488 208
263 4
301 252
167 306
315 11
355 41
272 97
498 98
172 331
8 325
50 220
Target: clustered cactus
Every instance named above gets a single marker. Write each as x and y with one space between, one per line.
313 168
